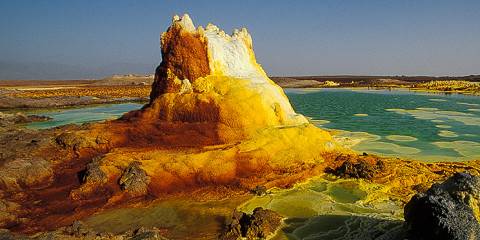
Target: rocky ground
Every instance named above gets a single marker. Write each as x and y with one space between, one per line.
77 96
78 231
64 93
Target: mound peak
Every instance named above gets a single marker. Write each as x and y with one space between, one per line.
214 118
207 75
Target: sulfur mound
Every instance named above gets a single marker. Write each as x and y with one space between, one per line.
214 117
209 76
215 127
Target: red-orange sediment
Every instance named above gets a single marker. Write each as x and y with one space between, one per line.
184 56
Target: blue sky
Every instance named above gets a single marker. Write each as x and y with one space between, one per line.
89 38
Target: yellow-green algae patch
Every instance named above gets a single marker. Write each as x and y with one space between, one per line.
468 104
387 148
465 148
360 115
319 122
437 100
465 118
332 199
182 218
446 133
371 143
427 109
443 126
350 139
401 138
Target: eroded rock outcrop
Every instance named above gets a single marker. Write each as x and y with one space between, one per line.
134 180
17 118
258 225
449 210
353 166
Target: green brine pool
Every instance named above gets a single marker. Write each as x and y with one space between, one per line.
423 126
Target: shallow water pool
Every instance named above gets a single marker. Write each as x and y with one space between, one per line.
424 126
82 114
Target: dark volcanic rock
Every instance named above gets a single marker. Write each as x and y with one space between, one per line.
259 190
260 224
93 173
72 140
446 211
134 180
359 169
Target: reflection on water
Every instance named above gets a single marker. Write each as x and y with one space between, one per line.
396 123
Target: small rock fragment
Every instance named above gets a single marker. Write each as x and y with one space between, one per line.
259 190
134 180
258 225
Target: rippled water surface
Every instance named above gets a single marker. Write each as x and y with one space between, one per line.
430 127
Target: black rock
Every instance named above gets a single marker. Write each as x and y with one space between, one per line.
445 211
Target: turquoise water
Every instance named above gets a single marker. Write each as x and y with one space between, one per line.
82 115
431 127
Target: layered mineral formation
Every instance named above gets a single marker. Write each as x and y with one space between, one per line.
214 118
215 126
207 75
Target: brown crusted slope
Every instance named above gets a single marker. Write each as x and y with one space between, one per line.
184 56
